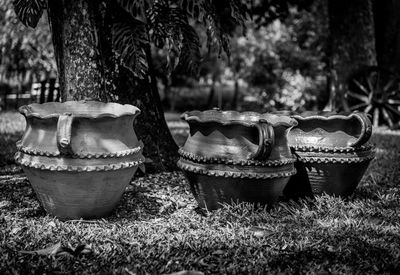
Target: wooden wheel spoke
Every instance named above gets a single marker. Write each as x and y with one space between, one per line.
393 110
376 117
368 109
359 97
369 83
358 106
393 101
387 117
361 87
388 85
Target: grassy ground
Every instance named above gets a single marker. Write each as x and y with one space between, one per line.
157 228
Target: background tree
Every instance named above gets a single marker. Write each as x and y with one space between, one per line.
387 26
351 44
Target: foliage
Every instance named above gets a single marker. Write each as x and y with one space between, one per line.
281 65
157 229
29 12
24 53
167 25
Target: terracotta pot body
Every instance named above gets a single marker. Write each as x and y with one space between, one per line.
79 156
236 157
332 153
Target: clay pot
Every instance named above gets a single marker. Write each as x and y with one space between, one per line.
236 157
332 153
79 156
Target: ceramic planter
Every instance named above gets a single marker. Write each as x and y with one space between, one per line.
79 156
235 157
332 153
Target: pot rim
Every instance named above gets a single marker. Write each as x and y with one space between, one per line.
82 108
324 115
230 117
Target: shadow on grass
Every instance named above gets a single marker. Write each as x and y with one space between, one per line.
18 197
8 148
137 204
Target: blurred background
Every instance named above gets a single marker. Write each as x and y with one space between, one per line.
279 64
296 57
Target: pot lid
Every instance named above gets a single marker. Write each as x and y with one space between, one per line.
87 109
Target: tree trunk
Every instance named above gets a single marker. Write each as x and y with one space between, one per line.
235 95
88 69
52 83
352 44
42 98
387 25
76 49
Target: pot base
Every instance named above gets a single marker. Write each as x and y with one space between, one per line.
76 195
211 192
334 173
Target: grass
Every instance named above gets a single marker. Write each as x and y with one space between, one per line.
157 228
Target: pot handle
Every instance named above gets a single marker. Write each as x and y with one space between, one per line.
64 127
366 129
266 140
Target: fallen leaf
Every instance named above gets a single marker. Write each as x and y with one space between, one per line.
15 230
4 204
51 250
129 272
260 232
187 272
218 252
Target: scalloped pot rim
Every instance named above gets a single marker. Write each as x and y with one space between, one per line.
235 117
323 115
85 109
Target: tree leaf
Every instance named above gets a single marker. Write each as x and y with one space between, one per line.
190 57
137 8
51 250
194 8
129 41
29 12
170 29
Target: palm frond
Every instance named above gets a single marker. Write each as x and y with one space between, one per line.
190 55
29 12
221 19
136 8
165 24
129 41
194 8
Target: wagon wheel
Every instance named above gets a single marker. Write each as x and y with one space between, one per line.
377 92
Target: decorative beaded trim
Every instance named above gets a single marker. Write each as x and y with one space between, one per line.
335 160
231 174
305 148
69 168
202 159
36 152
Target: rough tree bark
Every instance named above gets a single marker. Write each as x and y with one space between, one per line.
82 40
351 45
387 26
76 49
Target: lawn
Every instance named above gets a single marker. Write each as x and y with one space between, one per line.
157 227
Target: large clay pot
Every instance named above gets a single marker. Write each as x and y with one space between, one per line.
236 157
79 156
332 153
